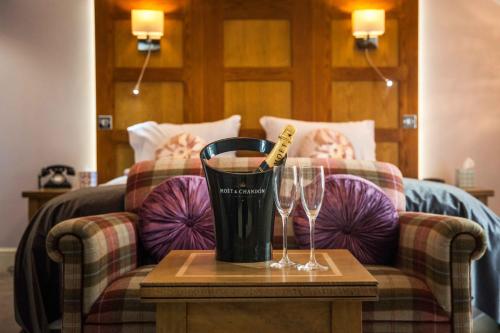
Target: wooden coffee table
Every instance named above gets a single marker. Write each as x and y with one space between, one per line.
195 293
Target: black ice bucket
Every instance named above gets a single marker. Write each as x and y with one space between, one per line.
242 203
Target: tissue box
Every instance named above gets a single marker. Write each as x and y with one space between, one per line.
465 178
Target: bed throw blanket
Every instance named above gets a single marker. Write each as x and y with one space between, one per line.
438 198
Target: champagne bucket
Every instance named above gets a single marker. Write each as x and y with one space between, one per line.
242 203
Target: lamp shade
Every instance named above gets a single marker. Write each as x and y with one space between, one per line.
368 23
147 23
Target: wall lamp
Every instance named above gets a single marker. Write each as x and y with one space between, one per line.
147 26
367 26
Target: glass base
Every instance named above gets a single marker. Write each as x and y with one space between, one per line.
283 263
312 266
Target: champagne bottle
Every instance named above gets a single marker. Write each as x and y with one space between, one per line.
279 150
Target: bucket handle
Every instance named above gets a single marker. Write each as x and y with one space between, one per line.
232 144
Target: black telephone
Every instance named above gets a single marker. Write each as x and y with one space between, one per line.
58 176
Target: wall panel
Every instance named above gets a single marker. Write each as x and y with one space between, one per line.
287 58
160 102
124 155
388 152
260 9
257 43
363 100
256 99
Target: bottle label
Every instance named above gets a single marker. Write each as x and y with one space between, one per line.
280 148
239 191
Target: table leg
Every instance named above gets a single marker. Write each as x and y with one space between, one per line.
171 318
346 317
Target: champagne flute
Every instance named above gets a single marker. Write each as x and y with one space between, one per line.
285 181
312 189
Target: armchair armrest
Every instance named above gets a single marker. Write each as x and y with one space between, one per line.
94 251
438 249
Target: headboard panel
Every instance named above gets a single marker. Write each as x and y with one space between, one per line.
287 58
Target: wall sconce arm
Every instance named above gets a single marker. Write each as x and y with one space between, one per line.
136 89
388 82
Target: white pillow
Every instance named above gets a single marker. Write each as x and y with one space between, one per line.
360 133
146 137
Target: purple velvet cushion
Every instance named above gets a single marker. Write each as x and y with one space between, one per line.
356 215
177 215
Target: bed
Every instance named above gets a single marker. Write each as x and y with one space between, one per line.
37 277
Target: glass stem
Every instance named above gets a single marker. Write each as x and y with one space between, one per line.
312 223
284 220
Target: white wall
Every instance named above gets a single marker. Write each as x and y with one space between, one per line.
460 89
47 99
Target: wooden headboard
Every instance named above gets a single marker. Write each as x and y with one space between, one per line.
287 58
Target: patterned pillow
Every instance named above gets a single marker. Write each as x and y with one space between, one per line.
177 215
326 143
181 146
356 215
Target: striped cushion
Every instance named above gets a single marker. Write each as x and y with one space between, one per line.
120 302
144 176
402 297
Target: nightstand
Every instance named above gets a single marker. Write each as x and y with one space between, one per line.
37 198
480 193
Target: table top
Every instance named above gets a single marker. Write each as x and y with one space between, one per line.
196 274
44 193
479 191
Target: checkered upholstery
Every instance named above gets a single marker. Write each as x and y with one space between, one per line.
427 290
94 250
403 298
438 249
144 176
120 302
119 308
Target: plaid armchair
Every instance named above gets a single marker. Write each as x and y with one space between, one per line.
426 290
